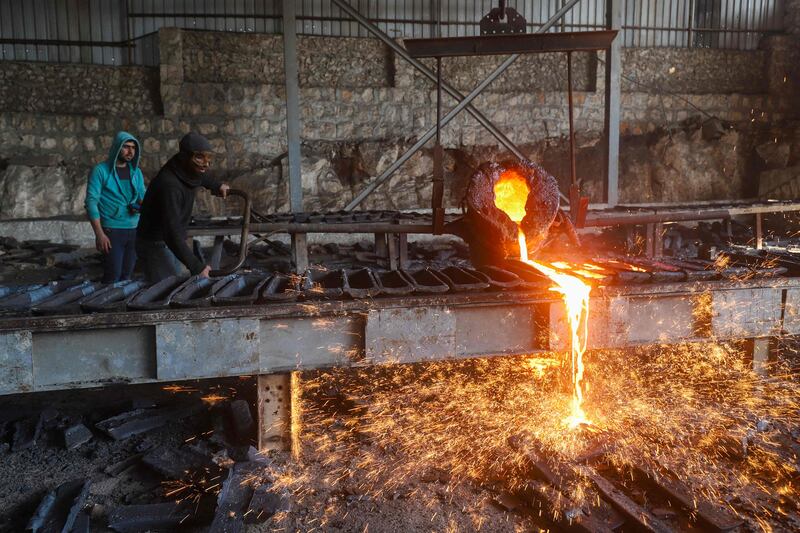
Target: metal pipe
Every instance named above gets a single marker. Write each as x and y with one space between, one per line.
465 101
320 227
612 101
437 191
438 100
128 30
573 173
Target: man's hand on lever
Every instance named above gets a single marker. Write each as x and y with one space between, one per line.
223 190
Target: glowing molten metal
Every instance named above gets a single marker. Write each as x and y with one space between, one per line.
511 194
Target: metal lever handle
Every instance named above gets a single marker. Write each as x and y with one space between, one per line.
245 234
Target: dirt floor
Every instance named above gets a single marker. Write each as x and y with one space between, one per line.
412 448
27 475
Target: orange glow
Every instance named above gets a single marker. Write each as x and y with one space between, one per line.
584 271
627 266
511 194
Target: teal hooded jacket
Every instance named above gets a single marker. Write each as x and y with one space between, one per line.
108 197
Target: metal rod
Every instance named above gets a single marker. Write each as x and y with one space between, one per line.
128 30
438 100
465 101
65 42
321 227
573 173
613 98
759 232
437 191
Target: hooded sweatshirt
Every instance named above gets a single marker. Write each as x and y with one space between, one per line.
167 208
107 196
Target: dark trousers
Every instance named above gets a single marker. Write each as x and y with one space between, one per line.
119 261
158 261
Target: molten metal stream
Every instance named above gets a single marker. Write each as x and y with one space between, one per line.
511 194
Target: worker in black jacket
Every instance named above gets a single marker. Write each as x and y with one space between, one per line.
167 210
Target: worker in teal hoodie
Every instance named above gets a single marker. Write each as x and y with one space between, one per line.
114 196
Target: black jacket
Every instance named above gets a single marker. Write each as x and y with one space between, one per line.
167 209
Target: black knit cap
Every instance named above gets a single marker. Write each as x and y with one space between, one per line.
194 142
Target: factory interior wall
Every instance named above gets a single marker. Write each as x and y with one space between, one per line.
697 124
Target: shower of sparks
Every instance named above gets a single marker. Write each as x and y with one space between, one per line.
213 399
696 409
175 389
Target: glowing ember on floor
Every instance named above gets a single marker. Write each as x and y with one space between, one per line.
511 194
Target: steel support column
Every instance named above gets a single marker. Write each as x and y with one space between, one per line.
613 102
761 352
464 101
759 232
274 412
299 247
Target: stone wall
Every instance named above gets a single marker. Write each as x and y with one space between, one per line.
253 59
793 17
81 89
532 72
694 71
358 116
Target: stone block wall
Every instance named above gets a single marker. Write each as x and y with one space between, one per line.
362 107
695 70
255 59
78 89
532 72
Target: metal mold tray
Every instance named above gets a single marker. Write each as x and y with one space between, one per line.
461 280
197 291
426 281
361 283
281 288
319 283
66 302
499 278
621 273
531 278
111 298
20 303
241 290
10 290
393 283
156 296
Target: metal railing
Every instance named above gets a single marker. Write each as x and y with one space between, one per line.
99 31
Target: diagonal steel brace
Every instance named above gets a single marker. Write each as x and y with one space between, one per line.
464 102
